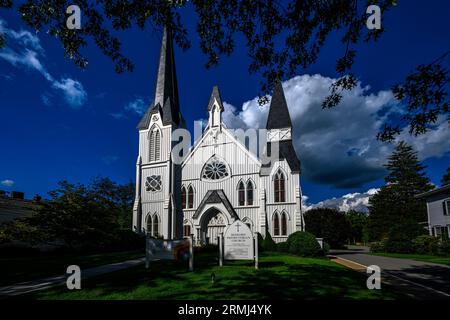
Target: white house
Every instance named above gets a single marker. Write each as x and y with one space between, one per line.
438 207
219 180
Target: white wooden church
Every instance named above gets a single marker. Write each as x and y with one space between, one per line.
219 180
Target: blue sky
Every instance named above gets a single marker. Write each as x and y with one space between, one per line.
59 122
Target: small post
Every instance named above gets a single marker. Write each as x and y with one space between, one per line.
256 250
147 258
221 249
191 253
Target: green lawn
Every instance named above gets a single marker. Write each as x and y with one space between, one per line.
280 276
18 269
419 257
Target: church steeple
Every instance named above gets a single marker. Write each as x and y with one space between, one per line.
166 98
279 117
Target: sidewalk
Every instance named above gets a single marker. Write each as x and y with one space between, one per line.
30 286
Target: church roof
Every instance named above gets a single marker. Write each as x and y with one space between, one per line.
166 91
286 152
215 196
215 95
278 112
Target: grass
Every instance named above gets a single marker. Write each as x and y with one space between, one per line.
280 276
19 269
418 257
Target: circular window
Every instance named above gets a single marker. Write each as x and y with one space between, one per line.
215 169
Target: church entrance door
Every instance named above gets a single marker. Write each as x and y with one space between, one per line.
213 225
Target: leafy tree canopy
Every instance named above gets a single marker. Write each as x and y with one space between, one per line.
329 224
446 178
281 37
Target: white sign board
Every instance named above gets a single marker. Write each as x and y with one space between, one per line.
238 242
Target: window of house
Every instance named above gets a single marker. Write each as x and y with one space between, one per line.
183 198
153 183
215 169
249 193
190 197
149 225
241 194
187 230
155 145
446 207
279 187
283 224
276 225
155 226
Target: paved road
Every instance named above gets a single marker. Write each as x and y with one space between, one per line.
30 286
428 279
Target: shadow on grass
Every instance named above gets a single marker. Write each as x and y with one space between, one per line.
279 277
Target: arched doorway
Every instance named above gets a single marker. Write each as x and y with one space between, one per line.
212 225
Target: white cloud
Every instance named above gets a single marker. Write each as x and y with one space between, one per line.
351 201
338 147
7 183
137 106
24 50
73 90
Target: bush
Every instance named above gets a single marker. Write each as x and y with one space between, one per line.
282 247
378 246
260 242
400 235
444 248
304 244
326 248
425 244
268 244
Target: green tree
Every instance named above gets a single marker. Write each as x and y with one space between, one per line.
446 178
78 215
357 222
281 38
329 224
395 204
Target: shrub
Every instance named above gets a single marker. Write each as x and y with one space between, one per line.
260 242
304 244
326 248
400 235
444 248
378 246
268 244
425 244
282 247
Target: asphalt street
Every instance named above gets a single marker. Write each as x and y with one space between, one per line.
430 277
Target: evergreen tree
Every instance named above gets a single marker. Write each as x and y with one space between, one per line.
446 178
395 205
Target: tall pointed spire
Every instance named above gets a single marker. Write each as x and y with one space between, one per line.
166 91
278 113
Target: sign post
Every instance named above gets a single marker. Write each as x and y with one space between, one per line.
238 242
221 249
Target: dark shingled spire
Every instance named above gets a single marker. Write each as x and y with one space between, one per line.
215 94
278 113
166 92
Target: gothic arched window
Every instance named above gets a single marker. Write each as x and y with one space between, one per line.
186 230
215 169
241 194
183 198
279 187
190 197
283 224
155 226
249 193
155 145
149 225
276 224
